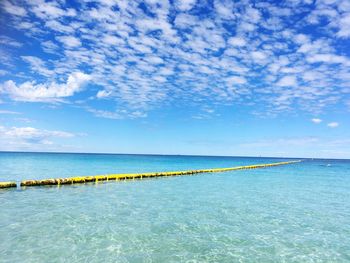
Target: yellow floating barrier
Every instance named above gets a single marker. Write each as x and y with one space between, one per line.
7 184
132 176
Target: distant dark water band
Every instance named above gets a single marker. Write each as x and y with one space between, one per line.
119 177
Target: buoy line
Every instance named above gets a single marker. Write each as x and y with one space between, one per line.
131 176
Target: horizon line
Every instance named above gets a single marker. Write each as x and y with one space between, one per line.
189 155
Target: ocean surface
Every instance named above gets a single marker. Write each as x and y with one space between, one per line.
292 213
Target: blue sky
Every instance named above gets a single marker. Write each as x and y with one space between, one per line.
248 78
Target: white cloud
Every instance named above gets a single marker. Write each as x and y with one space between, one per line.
287 81
236 80
38 65
344 26
237 41
224 9
26 136
48 92
13 9
4 40
144 61
327 58
69 41
9 112
49 47
333 124
253 15
3 72
32 133
258 55
185 5
112 40
59 27
154 60
103 94
301 39
316 120
117 114
47 10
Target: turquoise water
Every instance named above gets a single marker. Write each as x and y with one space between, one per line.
292 213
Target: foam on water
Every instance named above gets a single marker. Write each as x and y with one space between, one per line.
293 213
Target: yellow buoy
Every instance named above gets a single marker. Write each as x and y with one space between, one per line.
7 184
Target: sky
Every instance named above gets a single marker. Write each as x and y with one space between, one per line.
238 78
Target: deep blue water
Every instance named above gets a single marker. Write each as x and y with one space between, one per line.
293 213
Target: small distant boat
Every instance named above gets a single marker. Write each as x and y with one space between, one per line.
328 165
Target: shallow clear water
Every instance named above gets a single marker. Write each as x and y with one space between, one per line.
292 213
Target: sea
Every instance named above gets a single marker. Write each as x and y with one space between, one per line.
292 213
